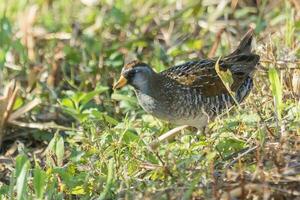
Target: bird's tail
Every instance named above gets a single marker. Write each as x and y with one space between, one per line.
245 44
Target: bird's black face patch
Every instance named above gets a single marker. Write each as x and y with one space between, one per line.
138 76
129 74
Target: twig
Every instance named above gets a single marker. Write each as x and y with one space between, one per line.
41 126
214 180
290 192
280 62
166 168
29 106
240 156
234 4
296 4
58 36
237 192
213 49
231 156
264 121
150 166
166 136
6 105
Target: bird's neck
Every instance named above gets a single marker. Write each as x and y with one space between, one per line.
151 86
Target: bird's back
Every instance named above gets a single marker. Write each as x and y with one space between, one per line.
201 74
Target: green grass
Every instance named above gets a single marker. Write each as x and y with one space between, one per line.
73 137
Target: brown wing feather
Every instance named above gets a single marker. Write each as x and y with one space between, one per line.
197 74
201 74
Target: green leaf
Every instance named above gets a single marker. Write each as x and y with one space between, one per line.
225 76
276 89
90 95
194 44
60 150
229 145
5 32
130 136
73 55
118 15
18 103
39 182
56 147
4 190
102 116
120 97
67 103
22 167
227 80
290 26
110 175
250 118
78 190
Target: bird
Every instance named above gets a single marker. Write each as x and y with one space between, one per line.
193 93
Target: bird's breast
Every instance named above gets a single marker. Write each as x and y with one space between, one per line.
153 106
176 108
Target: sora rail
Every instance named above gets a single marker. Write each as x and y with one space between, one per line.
192 93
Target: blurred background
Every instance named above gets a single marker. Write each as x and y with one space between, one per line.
64 133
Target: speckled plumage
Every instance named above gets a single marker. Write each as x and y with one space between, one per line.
192 93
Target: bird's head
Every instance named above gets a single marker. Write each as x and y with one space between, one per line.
135 73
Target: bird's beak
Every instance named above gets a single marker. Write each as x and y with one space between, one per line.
121 83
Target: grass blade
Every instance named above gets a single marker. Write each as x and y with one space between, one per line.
108 180
39 182
60 150
276 91
22 167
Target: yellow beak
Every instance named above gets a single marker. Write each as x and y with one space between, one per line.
121 83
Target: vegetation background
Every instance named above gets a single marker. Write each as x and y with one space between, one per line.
65 134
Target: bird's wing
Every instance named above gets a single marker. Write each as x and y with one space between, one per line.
202 74
197 74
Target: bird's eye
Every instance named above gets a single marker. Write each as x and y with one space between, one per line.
130 73
134 71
